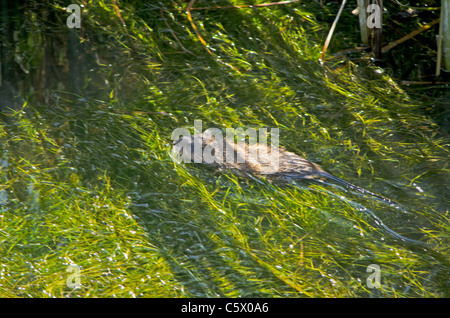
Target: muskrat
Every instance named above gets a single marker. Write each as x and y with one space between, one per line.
254 158
272 162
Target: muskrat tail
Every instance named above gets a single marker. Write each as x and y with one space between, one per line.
356 188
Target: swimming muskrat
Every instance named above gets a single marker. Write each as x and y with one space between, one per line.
272 162
254 158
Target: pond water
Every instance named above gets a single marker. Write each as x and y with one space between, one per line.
87 177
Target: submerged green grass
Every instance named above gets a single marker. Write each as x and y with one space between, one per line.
89 181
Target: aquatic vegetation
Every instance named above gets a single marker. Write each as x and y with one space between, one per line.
87 179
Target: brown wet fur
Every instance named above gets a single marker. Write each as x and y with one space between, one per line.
289 166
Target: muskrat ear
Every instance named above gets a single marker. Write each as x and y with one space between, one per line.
210 134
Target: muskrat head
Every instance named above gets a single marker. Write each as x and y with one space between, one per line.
193 148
